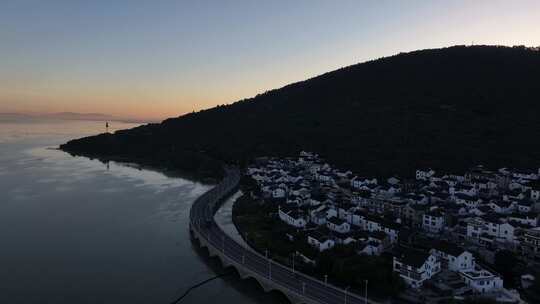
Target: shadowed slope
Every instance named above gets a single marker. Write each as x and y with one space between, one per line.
445 108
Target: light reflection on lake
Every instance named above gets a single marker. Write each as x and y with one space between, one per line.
73 230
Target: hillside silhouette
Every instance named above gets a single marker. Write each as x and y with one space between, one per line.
447 108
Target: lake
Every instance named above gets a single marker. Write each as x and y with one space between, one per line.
76 230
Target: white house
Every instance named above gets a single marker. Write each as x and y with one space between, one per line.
453 257
502 207
380 237
357 218
344 211
325 177
439 197
531 241
467 200
525 174
524 206
517 185
394 180
294 200
278 192
391 229
292 217
359 182
373 224
329 210
433 221
416 199
481 280
319 241
463 189
294 178
535 192
298 190
338 225
370 248
492 227
415 267
424 174
483 184
361 198
318 217
480 211
389 190
260 177
529 219
343 238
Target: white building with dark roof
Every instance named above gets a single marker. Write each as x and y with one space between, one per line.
481 280
463 189
362 182
535 191
369 248
424 174
338 225
453 257
468 201
415 267
433 221
320 241
489 227
292 217
502 207
530 242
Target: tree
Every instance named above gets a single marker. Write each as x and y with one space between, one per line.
505 263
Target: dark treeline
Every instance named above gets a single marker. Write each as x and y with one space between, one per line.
445 108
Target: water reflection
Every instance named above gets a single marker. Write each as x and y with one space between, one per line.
76 231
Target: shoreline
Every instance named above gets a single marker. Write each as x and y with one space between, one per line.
297 286
224 219
143 164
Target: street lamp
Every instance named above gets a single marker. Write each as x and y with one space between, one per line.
347 288
293 255
270 269
366 293
223 243
269 264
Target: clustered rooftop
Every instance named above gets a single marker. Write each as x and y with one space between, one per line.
481 208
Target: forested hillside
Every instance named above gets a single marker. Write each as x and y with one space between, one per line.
444 108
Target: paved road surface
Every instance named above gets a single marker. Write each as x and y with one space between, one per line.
202 219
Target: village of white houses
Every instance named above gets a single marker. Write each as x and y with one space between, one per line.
443 231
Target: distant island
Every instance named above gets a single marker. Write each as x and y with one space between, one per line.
14 117
447 109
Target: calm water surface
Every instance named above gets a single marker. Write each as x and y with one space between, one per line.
73 230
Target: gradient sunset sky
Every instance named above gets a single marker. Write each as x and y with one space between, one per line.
157 59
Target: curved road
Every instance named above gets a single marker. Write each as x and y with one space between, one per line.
282 278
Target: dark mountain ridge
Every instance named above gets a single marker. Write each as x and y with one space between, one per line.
447 108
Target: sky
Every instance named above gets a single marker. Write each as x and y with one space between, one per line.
157 59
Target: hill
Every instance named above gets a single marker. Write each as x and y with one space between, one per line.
447 108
